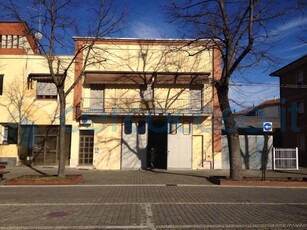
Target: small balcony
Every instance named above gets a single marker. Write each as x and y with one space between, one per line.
134 106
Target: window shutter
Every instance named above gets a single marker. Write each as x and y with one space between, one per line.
96 94
46 89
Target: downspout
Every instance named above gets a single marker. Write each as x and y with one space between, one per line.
213 76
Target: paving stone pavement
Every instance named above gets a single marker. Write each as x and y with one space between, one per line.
155 177
151 200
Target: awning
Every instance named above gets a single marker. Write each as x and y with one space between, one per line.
104 77
42 77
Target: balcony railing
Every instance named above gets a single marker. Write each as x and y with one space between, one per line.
93 106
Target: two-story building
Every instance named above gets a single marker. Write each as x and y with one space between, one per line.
133 95
293 100
147 93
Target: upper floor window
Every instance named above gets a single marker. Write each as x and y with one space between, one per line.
10 41
299 78
1 84
260 113
147 92
46 90
196 95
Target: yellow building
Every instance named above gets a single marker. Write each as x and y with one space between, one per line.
28 100
142 93
135 94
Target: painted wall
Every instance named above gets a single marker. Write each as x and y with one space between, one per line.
16 69
251 151
149 56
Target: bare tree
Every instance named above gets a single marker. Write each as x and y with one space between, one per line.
238 29
56 21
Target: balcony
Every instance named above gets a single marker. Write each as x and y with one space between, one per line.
134 106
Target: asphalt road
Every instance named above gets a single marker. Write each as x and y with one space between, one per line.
152 207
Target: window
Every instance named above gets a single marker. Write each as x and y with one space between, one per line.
97 97
299 78
260 113
1 84
6 41
186 128
300 109
9 134
147 93
141 127
127 127
173 128
196 95
46 90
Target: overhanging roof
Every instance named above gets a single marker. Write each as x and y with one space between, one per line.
122 77
290 66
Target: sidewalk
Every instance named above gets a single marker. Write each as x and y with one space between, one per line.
154 177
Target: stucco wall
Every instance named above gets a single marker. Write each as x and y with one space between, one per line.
149 57
251 151
16 69
107 145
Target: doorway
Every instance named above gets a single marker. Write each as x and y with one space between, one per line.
86 147
45 150
157 138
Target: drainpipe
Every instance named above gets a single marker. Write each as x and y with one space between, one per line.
212 156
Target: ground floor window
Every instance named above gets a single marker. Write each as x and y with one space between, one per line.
9 133
41 144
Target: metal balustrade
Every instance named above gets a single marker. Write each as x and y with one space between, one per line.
135 105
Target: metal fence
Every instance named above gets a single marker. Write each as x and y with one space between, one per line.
285 159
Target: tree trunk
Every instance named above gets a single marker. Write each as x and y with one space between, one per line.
232 135
20 157
61 168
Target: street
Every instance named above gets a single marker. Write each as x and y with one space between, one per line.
152 207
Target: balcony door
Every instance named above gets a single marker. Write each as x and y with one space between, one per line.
196 95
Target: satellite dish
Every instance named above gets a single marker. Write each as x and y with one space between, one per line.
38 35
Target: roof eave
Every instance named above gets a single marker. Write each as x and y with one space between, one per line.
289 66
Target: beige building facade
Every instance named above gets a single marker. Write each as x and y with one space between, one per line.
133 95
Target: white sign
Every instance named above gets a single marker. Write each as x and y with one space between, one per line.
267 127
96 149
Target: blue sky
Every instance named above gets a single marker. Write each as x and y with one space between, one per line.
149 21
146 19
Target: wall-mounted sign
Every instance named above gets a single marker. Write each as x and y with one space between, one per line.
96 149
267 127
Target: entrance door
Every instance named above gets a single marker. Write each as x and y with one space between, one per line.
180 146
39 150
51 150
86 147
134 144
45 150
157 138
